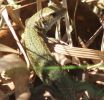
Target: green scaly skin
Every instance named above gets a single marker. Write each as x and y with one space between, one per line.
38 52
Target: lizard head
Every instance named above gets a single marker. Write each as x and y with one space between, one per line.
48 16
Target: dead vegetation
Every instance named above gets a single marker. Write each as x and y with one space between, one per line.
76 42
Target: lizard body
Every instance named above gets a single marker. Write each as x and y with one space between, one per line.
41 59
36 27
38 52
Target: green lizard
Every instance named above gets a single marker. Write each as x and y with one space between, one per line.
38 52
41 59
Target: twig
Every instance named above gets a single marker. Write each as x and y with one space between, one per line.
6 18
39 4
88 43
24 6
57 32
14 17
67 22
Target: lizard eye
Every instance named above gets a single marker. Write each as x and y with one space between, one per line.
54 14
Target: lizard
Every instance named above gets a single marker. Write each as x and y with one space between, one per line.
41 59
39 54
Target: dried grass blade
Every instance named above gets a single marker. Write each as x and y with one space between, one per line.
4 48
7 20
79 52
